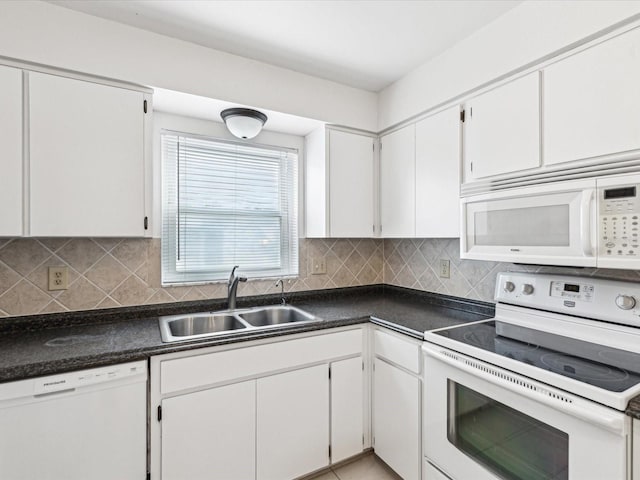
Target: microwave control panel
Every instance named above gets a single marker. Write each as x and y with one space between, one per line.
619 221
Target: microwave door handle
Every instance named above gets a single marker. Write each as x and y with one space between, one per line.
585 221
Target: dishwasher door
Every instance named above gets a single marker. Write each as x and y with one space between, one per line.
86 425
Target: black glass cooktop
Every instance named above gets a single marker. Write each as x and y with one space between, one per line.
604 367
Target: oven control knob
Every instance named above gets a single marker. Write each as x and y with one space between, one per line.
625 302
509 287
527 289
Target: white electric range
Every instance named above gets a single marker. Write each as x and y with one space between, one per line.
539 391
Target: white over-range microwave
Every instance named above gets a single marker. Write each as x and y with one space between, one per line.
593 222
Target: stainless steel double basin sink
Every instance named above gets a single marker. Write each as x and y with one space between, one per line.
199 325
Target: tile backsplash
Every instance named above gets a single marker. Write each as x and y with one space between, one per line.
414 263
108 272
111 272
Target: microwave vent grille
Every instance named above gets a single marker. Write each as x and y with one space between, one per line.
623 163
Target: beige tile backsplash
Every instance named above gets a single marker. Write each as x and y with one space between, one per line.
414 263
107 272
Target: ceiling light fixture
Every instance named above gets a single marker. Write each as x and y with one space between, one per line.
243 122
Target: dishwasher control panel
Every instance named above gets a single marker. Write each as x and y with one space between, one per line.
82 378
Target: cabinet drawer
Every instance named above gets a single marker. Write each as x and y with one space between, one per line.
397 350
200 370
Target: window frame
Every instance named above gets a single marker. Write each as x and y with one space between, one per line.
288 215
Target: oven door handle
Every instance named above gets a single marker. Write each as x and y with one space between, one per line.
601 416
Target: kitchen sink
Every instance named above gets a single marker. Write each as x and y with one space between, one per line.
269 316
186 327
190 325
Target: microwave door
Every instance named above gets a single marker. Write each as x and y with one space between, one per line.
550 228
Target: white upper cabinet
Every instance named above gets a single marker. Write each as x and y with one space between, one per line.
438 175
11 159
592 101
397 183
87 158
502 129
340 184
351 185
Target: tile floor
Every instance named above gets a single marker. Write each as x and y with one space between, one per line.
369 467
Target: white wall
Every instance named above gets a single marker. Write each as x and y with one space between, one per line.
178 123
44 33
523 35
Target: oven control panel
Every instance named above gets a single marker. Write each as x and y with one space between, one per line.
597 298
574 291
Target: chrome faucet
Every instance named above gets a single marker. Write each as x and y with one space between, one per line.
280 283
232 288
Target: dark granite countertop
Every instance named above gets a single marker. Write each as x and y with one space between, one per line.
56 343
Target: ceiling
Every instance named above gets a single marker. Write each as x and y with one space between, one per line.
362 43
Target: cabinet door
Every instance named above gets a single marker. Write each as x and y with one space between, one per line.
351 185
293 423
438 175
396 419
397 183
347 408
592 100
502 129
86 146
11 158
210 434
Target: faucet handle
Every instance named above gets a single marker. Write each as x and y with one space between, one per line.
233 274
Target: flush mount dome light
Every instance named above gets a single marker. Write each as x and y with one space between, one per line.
243 122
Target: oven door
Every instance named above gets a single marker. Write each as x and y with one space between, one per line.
485 423
546 224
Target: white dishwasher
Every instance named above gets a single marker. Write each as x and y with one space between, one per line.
84 425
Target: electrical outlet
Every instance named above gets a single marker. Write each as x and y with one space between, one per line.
318 266
58 278
445 271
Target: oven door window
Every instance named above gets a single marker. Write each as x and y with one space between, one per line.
513 445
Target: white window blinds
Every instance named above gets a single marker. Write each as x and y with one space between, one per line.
226 204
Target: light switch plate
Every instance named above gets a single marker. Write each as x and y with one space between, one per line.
445 268
58 278
318 266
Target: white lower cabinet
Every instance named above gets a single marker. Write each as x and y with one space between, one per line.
292 423
265 411
347 408
210 434
396 419
396 397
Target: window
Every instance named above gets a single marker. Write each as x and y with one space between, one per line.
224 204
